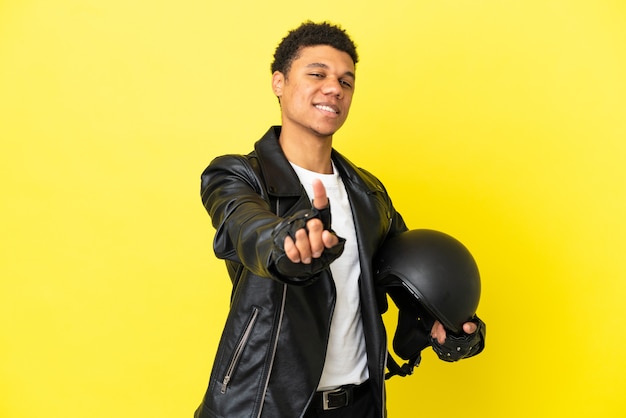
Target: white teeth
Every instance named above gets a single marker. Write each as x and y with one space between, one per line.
326 108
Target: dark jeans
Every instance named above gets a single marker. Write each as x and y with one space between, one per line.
363 406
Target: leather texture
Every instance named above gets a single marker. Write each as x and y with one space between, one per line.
271 353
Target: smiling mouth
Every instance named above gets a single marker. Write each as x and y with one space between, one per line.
327 109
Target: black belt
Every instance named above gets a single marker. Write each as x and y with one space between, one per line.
340 397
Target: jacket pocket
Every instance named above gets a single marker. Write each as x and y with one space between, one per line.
239 348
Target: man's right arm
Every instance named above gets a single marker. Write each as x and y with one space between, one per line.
248 232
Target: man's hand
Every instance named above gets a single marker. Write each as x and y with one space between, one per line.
438 332
456 347
312 244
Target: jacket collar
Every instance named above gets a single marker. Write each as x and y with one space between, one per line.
281 179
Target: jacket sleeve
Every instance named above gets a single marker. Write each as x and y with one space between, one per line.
247 228
396 225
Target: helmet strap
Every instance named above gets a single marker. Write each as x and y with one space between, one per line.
405 370
410 339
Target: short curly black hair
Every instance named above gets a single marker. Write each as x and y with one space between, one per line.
311 34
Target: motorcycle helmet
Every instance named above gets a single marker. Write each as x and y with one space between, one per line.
430 276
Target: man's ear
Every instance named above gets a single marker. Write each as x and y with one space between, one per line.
278 81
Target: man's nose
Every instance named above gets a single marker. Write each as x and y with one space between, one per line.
333 86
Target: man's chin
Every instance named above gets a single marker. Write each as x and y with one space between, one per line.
325 132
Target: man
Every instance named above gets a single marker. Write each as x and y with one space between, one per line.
298 226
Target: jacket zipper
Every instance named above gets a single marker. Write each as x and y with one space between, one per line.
239 349
274 348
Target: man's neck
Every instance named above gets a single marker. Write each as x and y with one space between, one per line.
310 152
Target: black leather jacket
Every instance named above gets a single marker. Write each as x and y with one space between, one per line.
270 357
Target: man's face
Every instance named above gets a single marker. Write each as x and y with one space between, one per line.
315 95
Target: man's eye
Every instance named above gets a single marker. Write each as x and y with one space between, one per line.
346 84
318 75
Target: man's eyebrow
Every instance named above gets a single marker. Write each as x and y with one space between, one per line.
324 66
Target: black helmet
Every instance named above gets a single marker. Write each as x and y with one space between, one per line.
436 270
429 275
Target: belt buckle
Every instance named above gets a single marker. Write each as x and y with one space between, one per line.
326 400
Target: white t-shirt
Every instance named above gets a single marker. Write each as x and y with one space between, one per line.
346 357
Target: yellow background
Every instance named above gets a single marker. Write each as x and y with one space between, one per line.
502 123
